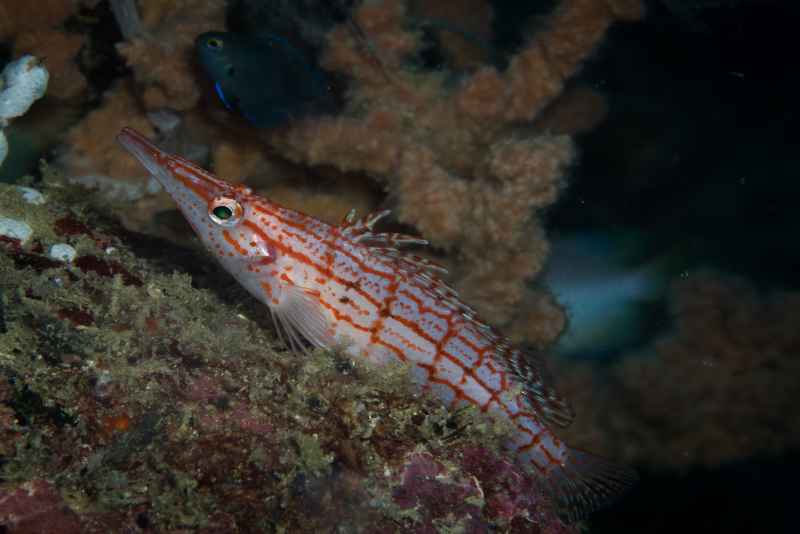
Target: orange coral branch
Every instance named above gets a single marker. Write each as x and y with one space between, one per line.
452 156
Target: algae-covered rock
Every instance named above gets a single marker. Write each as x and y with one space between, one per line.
142 390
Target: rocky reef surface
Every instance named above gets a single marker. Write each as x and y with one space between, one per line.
142 391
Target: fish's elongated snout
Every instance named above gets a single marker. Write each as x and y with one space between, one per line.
149 155
180 177
193 189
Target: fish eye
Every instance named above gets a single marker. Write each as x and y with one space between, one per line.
225 211
214 43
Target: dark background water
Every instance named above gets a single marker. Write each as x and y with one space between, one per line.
701 142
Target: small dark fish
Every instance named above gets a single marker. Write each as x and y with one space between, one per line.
263 77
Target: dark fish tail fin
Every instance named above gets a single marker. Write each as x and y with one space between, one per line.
586 483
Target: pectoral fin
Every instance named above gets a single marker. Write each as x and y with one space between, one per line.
302 317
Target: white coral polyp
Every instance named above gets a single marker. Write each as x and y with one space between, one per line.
22 82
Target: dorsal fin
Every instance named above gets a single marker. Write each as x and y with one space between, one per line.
526 367
362 231
529 368
386 245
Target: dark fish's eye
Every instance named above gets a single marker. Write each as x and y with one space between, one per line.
223 213
214 43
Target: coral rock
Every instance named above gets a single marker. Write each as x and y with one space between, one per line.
35 507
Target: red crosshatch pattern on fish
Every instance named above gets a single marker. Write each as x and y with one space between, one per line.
353 287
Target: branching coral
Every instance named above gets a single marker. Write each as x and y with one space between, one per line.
92 157
162 95
721 388
59 50
37 28
455 157
19 17
463 28
161 57
469 160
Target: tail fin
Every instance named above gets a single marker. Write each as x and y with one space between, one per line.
587 482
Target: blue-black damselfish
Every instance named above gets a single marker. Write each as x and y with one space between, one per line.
262 76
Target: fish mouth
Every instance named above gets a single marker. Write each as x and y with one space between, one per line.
148 154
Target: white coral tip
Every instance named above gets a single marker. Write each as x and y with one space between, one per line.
21 83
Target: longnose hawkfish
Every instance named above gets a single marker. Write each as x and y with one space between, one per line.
351 286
